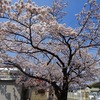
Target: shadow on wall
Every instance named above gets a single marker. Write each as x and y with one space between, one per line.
9 91
3 91
17 90
15 96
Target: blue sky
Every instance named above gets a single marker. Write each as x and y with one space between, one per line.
74 7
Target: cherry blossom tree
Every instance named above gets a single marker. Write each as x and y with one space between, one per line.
31 37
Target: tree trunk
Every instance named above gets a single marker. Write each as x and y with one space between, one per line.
24 93
64 95
61 95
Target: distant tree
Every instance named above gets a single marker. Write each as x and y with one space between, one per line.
31 37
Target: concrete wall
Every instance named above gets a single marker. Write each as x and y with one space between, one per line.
9 90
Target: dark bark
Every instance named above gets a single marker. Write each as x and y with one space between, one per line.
61 94
25 93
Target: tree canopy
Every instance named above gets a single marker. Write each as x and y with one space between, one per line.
57 54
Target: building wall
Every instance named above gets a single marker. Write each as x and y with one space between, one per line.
9 90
